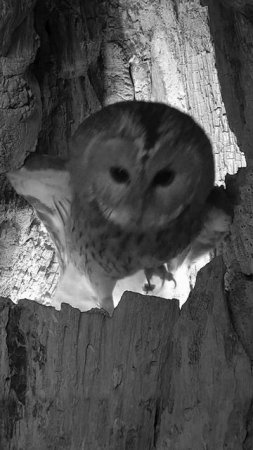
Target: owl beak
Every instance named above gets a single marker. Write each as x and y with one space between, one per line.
126 217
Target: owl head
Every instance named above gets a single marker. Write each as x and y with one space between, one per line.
142 164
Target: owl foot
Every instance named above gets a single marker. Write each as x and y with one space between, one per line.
170 277
148 287
160 272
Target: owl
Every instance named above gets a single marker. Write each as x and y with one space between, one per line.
136 193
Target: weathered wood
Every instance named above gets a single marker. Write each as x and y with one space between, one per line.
211 387
82 380
149 377
84 55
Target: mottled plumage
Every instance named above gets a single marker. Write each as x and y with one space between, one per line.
136 193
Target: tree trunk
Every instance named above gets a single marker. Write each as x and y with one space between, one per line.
153 376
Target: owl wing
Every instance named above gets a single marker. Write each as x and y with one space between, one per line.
45 183
215 227
216 224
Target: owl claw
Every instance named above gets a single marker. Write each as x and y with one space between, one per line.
148 287
169 277
160 272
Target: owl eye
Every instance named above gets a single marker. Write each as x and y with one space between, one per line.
120 175
163 178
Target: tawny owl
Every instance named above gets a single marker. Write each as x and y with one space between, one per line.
137 192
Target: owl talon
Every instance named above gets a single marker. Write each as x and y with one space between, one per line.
148 287
169 277
160 272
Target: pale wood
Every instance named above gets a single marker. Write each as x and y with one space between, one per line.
88 56
150 377
82 380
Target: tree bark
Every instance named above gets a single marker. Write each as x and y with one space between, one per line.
152 377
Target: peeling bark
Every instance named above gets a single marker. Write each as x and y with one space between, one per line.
152 376
91 54
78 380
212 380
